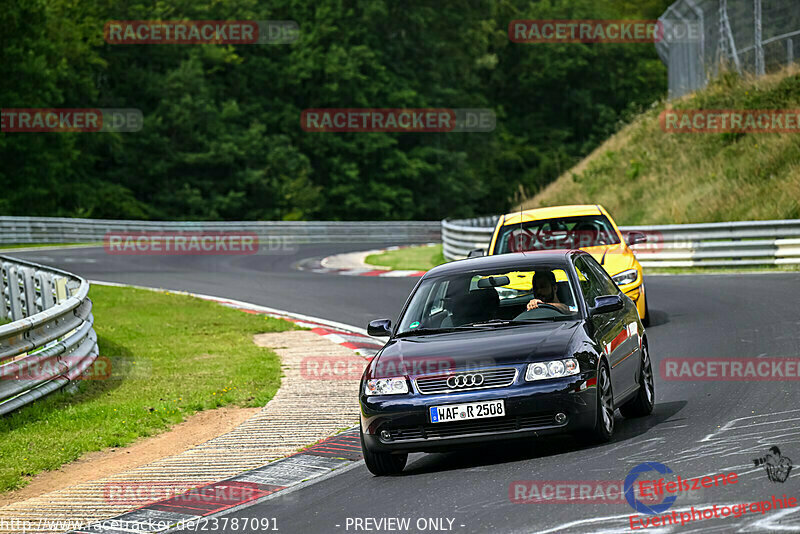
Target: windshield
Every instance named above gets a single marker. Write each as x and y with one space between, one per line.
490 299
556 234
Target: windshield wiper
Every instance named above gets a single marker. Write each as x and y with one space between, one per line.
506 322
478 324
490 322
417 331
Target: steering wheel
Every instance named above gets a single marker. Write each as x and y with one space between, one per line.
530 314
545 305
544 240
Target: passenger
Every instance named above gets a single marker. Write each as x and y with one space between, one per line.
544 287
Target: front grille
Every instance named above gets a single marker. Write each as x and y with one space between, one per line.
411 432
449 430
491 378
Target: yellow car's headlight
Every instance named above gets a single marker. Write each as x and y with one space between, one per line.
626 277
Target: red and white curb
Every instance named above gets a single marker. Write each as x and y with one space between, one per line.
352 264
343 335
383 274
346 335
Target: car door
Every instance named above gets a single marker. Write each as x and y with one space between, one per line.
625 329
607 327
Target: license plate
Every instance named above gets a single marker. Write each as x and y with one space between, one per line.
464 412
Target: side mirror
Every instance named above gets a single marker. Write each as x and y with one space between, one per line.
380 327
634 238
476 253
606 304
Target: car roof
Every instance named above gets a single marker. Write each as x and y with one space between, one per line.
511 261
553 212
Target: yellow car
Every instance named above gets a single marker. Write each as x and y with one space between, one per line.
587 227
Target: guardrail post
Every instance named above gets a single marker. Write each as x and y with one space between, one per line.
14 297
27 291
60 284
72 286
5 290
48 291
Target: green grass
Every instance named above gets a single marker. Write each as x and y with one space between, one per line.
46 245
410 258
754 269
171 356
643 175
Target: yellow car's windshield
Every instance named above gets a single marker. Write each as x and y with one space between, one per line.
555 234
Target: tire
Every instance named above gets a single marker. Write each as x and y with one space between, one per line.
604 422
382 463
646 318
642 404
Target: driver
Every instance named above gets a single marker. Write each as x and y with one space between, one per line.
544 287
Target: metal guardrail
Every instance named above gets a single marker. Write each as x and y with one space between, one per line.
683 245
67 230
728 244
459 236
50 341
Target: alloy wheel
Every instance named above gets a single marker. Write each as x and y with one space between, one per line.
606 400
647 375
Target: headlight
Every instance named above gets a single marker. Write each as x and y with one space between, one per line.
626 277
553 369
386 386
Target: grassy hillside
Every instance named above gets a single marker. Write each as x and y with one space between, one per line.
643 175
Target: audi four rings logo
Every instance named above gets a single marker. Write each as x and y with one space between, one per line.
464 381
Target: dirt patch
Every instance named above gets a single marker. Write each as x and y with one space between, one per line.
195 430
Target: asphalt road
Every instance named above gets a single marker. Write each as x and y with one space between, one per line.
265 279
698 428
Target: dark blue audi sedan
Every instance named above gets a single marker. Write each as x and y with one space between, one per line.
509 346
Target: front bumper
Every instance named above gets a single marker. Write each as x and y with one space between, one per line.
634 293
530 412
